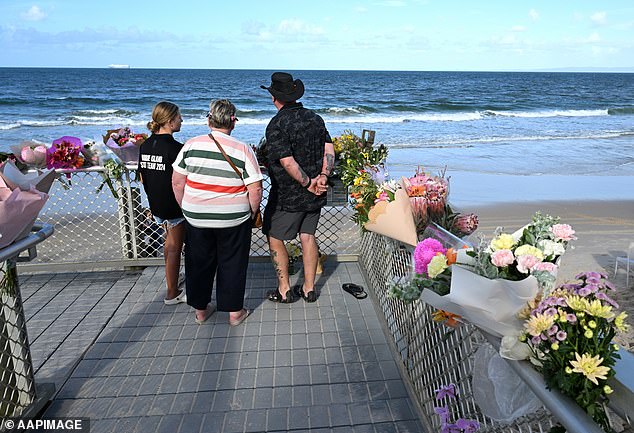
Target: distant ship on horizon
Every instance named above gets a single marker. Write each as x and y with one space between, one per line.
119 66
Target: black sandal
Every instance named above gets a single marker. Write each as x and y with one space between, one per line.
276 296
355 290
308 297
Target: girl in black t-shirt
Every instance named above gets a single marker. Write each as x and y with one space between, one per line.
156 156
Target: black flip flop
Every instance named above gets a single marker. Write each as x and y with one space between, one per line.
308 297
276 296
355 290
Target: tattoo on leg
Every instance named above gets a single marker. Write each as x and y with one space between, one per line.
276 266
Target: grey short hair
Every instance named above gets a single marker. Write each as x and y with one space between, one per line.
221 114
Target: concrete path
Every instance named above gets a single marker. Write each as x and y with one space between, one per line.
119 356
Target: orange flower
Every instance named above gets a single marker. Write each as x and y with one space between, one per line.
416 190
451 255
446 318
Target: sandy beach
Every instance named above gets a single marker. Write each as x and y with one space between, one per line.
604 230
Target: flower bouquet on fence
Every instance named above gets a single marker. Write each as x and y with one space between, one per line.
124 143
353 154
432 261
428 195
31 153
391 213
489 285
21 199
66 153
570 334
494 281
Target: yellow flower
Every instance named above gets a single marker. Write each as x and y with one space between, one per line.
437 265
502 242
529 250
577 303
539 323
592 324
590 367
554 346
597 309
607 390
619 322
588 334
568 370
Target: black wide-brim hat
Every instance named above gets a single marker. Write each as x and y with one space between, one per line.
284 88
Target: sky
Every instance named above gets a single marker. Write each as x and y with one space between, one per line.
419 35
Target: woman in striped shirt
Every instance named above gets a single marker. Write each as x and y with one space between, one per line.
218 200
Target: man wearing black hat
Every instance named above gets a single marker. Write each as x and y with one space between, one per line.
301 157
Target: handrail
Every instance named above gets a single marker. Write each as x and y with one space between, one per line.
14 249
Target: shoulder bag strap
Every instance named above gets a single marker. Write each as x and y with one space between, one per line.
226 157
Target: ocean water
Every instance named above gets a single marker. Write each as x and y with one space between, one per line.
473 123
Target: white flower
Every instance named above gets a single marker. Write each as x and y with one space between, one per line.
551 248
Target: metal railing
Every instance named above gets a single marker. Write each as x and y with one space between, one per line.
19 394
433 355
100 224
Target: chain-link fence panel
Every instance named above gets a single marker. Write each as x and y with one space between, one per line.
104 221
433 355
16 369
19 395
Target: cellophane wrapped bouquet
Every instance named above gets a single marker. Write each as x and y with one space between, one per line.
570 334
125 143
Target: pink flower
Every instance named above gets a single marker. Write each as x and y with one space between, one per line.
545 266
526 263
563 232
424 252
502 258
466 224
383 196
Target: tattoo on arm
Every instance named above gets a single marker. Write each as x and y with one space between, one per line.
330 163
304 176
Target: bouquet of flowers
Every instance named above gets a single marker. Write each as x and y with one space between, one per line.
363 192
428 195
432 271
65 152
486 288
570 334
532 250
30 153
22 196
124 143
353 154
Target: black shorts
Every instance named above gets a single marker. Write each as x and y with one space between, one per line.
285 226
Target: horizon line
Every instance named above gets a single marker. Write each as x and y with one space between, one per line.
624 69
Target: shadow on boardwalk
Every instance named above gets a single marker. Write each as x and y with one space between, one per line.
119 356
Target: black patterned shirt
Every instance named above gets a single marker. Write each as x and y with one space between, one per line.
301 133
